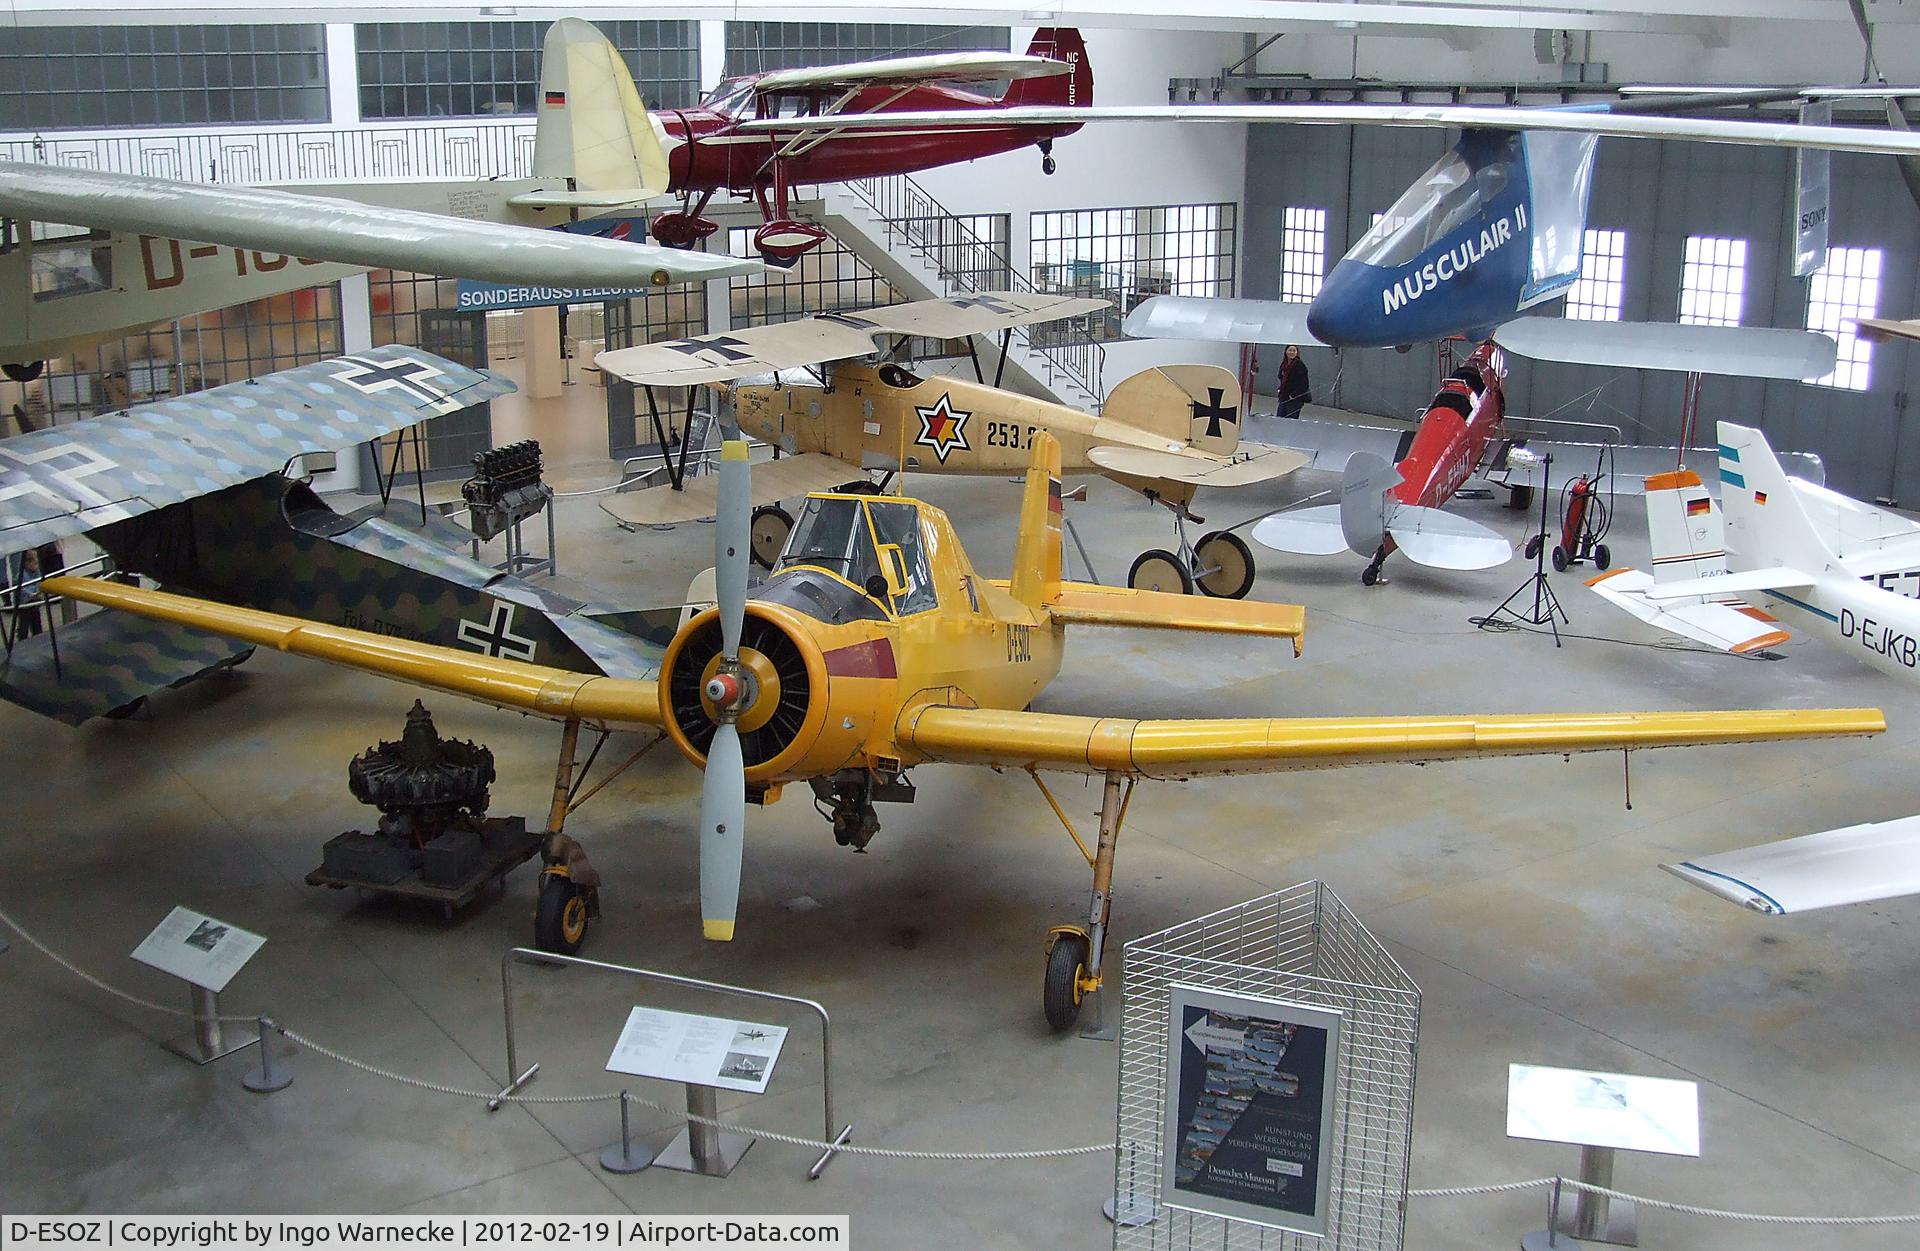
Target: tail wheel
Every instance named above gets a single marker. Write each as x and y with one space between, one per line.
1533 547
1230 561
1602 557
1066 965
767 534
1559 558
1160 570
1370 575
560 919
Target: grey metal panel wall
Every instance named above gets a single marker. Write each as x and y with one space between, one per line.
1659 193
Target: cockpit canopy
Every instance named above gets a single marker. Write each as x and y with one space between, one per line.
1449 195
731 97
874 544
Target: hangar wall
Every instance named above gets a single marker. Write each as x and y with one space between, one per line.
1659 193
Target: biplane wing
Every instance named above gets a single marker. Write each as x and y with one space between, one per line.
1170 750
70 479
947 67
770 348
322 228
1198 468
698 498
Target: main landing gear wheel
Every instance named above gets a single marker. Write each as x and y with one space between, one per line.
1048 165
1066 966
1230 561
1533 547
767 533
1159 570
560 920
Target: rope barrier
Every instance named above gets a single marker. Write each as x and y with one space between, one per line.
900 1153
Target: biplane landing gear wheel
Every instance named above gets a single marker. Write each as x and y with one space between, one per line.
560 919
1533 547
1559 558
1602 557
1230 562
1048 165
1159 570
767 533
1066 967
27 372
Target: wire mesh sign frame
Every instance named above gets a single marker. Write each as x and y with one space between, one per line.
1303 947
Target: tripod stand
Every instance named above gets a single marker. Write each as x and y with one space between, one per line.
1546 605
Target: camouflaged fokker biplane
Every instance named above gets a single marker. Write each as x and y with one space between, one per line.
193 493
875 647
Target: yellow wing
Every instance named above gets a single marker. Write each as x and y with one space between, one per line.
539 689
1182 749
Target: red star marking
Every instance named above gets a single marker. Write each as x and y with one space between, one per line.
943 428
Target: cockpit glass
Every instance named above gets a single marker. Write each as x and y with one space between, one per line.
1445 199
898 526
832 534
730 96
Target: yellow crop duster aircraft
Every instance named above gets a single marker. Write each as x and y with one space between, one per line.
875 647
1164 432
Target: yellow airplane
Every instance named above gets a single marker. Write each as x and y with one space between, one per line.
1164 432
875 647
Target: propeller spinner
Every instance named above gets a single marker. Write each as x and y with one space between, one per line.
723 794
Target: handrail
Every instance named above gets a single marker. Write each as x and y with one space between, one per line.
966 263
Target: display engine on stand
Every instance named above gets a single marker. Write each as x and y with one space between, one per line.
503 492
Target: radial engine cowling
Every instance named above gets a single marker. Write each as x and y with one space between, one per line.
786 696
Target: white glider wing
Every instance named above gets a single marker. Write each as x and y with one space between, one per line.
1858 864
1636 125
320 228
1735 351
1212 320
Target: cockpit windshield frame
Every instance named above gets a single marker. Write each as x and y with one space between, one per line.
1450 194
839 535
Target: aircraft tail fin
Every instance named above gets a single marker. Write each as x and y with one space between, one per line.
1199 405
1685 528
1766 524
591 126
1070 90
1363 501
1037 552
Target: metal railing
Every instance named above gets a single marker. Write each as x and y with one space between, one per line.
476 149
968 264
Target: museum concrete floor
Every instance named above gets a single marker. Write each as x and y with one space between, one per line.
1521 895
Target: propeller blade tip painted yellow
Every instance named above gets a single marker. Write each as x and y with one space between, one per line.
717 931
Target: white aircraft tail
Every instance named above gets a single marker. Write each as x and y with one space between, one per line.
1766 525
591 126
1685 528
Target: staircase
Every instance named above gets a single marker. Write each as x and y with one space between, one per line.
925 252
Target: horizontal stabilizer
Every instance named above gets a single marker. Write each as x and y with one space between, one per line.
1725 627
1736 351
1776 578
1213 320
1878 860
555 197
1442 540
697 499
1197 468
1303 531
1086 603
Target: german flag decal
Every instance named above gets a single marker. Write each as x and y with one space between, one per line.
556 99
1759 497
1053 495
1696 507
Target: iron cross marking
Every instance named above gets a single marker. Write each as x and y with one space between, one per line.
720 345
407 375
1215 412
992 303
496 637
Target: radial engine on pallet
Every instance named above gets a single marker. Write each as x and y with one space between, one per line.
434 841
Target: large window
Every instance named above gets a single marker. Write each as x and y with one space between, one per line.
753 47
1598 293
64 77
1124 255
1846 287
479 69
1713 281
1303 253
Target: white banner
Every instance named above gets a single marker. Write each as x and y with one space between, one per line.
303 1233
1812 194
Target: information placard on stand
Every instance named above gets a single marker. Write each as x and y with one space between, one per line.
205 953
707 1054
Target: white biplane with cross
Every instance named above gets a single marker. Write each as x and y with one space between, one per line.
1165 432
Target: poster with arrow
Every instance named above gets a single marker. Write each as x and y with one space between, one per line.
1249 1108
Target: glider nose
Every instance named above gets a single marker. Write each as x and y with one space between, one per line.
1347 312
